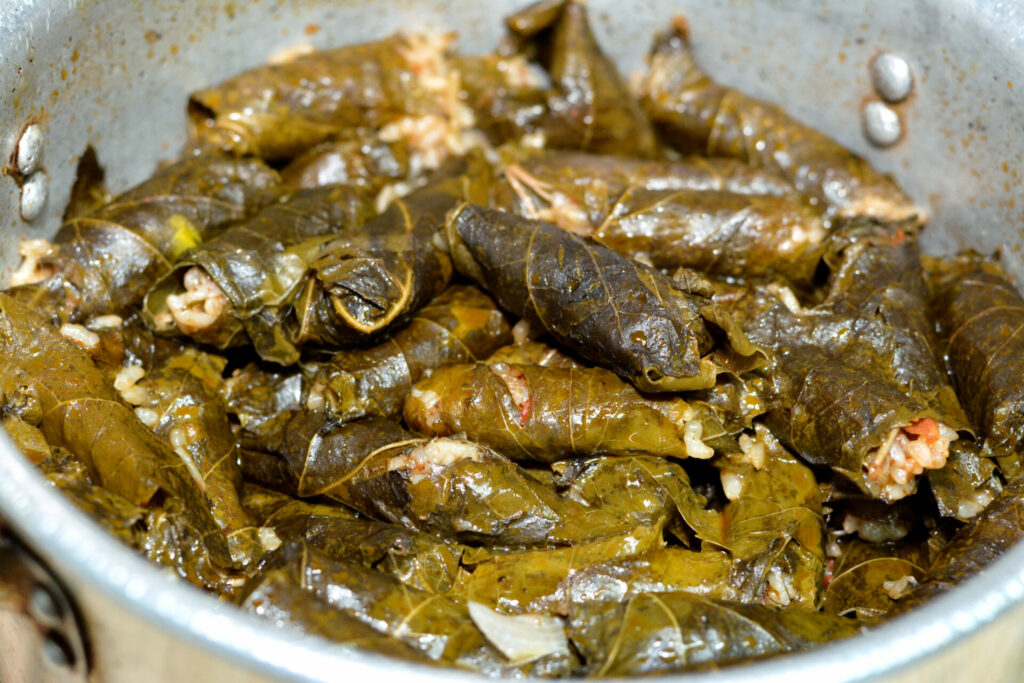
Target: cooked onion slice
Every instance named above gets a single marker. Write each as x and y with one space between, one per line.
907 452
32 270
522 638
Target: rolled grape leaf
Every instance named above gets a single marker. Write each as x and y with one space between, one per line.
364 162
460 326
543 581
665 632
318 451
716 215
72 478
565 186
277 595
868 579
982 541
28 438
641 490
162 533
373 279
238 287
590 107
147 228
772 525
540 581
166 535
721 233
968 482
529 412
601 305
438 627
179 401
698 115
416 559
262 400
81 412
396 85
981 316
452 488
858 383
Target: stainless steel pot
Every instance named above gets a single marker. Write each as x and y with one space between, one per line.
116 74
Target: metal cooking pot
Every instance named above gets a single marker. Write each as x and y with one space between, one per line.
116 75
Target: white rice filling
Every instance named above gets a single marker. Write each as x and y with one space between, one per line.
268 538
432 138
780 590
898 588
105 322
426 404
732 484
695 448
894 466
81 337
523 332
198 307
515 382
427 460
180 437
754 451
126 384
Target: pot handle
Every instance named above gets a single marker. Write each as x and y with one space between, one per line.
40 634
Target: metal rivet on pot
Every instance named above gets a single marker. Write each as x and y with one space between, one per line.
58 650
43 604
881 124
892 78
33 195
30 149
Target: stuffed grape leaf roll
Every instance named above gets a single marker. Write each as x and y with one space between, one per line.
461 325
698 115
402 86
238 287
664 632
648 328
106 260
79 410
858 384
528 412
981 316
367 281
